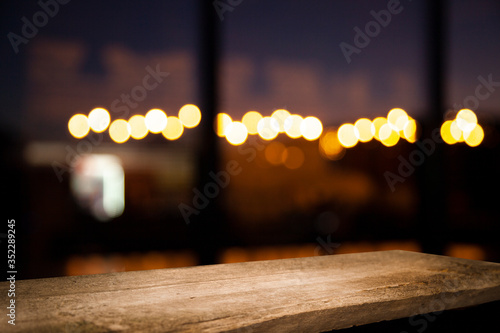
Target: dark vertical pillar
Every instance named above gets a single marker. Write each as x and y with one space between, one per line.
431 176
208 226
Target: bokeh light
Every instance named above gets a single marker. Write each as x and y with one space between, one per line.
119 131
456 132
280 116
174 128
466 120
377 124
397 118
190 115
292 126
236 133
251 120
274 153
311 128
138 129
78 126
329 145
463 128
99 120
366 130
475 137
410 131
221 122
156 120
388 136
446 133
348 135
268 128
293 157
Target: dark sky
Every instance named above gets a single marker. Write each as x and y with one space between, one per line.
263 31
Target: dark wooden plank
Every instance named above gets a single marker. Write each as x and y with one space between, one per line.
293 295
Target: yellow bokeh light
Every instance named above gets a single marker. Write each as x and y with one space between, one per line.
311 128
236 133
221 122
475 137
456 132
330 146
99 120
365 128
410 131
292 126
274 153
251 120
174 128
446 133
156 120
78 126
397 118
348 135
377 124
293 157
388 136
280 116
190 115
466 120
138 129
119 131
268 128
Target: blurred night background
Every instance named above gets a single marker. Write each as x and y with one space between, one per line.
87 203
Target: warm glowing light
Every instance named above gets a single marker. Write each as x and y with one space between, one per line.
98 185
78 126
456 132
293 157
292 126
236 133
446 133
156 120
463 128
410 131
119 131
280 116
251 120
138 129
99 119
190 115
348 135
311 128
222 121
274 153
174 128
397 118
330 146
268 128
475 137
365 128
377 124
466 120
388 136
